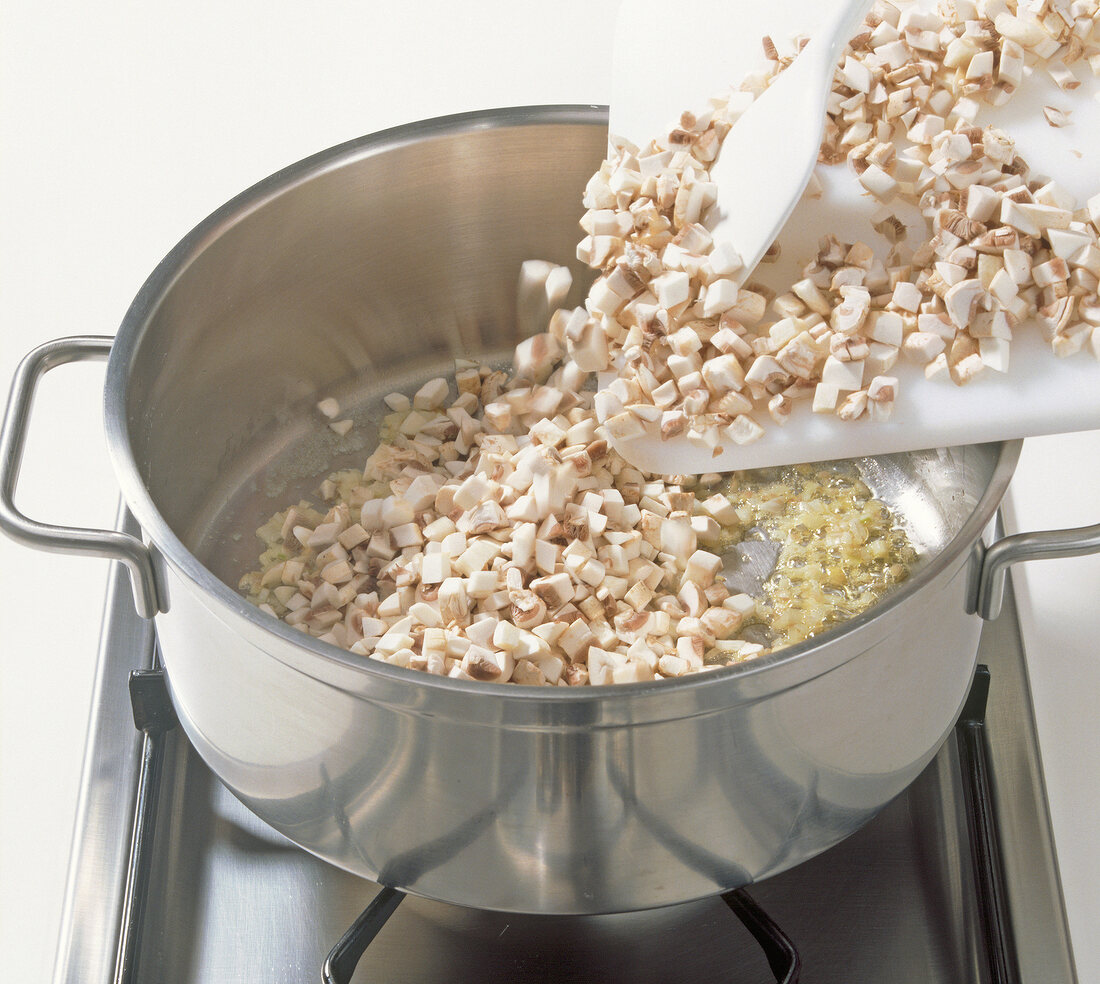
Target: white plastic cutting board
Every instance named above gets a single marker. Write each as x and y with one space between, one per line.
1040 394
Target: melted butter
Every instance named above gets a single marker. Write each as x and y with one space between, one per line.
840 549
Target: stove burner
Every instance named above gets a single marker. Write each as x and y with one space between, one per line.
782 956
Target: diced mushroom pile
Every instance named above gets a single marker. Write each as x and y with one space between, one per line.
700 358
495 534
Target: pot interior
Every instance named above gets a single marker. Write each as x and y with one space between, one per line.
367 269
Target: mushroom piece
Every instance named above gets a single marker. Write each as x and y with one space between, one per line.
961 300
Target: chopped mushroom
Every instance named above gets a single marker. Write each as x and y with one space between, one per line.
504 563
494 533
1056 117
926 83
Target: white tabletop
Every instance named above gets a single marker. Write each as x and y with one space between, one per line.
122 125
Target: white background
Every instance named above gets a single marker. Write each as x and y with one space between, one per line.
121 126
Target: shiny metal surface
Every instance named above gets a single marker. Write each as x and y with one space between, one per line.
232 900
319 281
101 837
1031 866
1020 547
563 805
97 543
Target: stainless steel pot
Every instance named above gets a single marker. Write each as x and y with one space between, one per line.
355 272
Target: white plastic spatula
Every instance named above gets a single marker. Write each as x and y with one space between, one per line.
668 60
763 168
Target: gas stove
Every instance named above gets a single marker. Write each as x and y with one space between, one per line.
173 881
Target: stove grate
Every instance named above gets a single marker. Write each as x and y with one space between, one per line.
985 846
155 717
781 953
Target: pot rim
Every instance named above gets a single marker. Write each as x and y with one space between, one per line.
168 544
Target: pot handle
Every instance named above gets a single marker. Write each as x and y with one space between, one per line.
994 560
62 539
